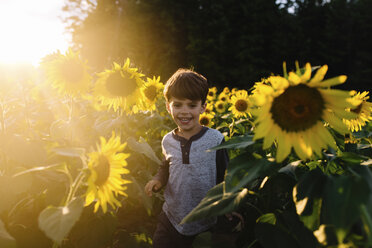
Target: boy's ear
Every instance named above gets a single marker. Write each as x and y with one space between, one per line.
204 106
168 107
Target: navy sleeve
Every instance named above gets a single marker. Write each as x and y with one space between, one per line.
222 160
163 173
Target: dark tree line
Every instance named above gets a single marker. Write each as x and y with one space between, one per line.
232 42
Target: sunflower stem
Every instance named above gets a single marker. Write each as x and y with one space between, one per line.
285 74
231 127
71 107
55 245
27 118
75 185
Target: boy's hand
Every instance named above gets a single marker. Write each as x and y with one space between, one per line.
152 186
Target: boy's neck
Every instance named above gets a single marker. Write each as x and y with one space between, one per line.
188 134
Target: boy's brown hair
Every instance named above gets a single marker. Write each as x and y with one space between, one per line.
186 84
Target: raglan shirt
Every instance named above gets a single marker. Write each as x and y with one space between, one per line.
189 171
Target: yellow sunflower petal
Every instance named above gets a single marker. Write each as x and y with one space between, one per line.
268 140
303 150
326 137
335 123
284 146
319 75
294 78
307 75
329 82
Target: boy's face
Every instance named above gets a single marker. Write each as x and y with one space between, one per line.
185 113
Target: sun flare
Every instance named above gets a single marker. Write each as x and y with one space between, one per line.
30 30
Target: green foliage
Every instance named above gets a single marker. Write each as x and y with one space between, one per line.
316 203
231 42
216 203
57 222
6 240
143 147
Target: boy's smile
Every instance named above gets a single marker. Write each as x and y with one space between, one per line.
185 113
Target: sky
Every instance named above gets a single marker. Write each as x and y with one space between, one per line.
31 29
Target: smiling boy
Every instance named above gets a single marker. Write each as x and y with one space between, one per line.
189 170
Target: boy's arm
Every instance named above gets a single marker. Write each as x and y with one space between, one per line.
222 160
159 180
163 173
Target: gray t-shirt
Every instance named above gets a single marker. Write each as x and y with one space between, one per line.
192 173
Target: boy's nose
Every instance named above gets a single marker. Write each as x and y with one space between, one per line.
183 108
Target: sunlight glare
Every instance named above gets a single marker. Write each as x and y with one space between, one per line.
30 30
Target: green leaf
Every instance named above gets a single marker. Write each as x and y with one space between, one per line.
6 241
143 147
69 151
40 168
275 192
289 221
238 142
242 170
343 196
56 222
146 200
270 236
216 203
96 230
353 158
267 218
367 220
312 221
310 186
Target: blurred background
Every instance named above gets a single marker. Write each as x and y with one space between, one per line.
232 42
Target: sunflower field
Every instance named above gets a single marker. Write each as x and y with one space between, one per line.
77 148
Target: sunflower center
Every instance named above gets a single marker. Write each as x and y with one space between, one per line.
204 121
298 108
151 92
119 85
357 109
103 170
241 105
223 98
220 106
72 71
210 93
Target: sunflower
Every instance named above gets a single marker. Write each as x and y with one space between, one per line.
212 93
224 97
226 90
234 90
151 90
67 73
118 87
240 104
106 165
220 106
291 111
209 108
205 119
363 111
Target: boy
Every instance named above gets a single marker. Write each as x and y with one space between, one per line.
188 171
